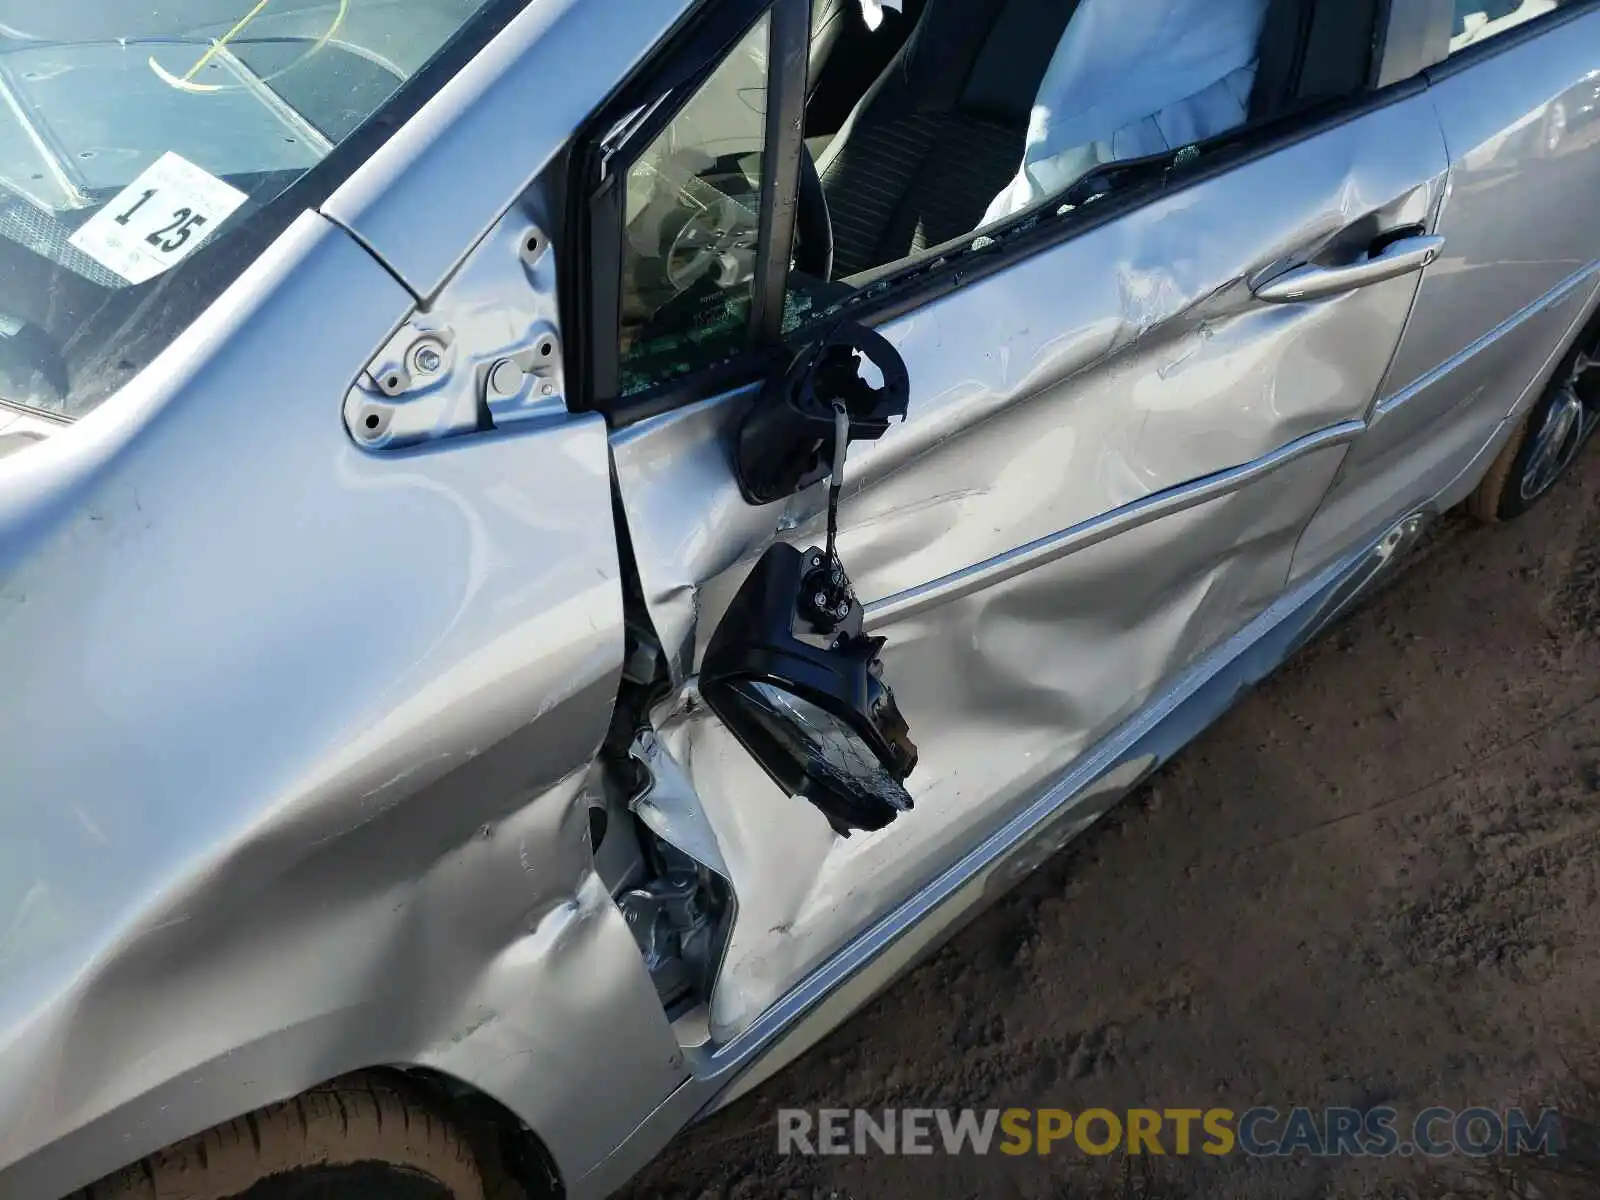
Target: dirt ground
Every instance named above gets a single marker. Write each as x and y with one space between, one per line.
1374 882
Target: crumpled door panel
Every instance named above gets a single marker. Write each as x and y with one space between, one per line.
1111 452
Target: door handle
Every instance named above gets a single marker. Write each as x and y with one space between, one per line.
1313 283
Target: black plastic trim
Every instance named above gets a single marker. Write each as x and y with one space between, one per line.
789 40
637 110
602 231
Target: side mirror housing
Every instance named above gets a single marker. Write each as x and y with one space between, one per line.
807 699
786 442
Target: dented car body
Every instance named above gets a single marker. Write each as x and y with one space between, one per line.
354 643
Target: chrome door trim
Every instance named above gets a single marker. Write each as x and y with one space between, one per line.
1047 549
1312 282
1555 296
1088 789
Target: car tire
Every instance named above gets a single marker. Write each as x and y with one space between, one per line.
1547 442
358 1138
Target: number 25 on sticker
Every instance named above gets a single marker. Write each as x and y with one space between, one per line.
158 219
170 237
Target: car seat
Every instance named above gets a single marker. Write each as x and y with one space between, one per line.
943 131
1131 78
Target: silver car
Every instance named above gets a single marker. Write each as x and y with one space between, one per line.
551 548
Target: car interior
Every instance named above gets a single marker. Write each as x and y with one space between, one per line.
917 126
1479 20
925 121
929 120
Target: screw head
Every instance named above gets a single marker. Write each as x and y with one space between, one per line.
548 389
426 358
821 601
844 609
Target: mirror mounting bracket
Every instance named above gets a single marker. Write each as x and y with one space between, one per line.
786 442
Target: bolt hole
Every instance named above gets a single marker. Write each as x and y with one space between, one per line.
531 245
392 383
372 420
546 349
86 154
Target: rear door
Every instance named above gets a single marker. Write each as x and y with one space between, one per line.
1517 87
1118 431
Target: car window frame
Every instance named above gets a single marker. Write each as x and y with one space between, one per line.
687 57
624 128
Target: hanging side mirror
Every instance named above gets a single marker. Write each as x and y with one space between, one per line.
787 442
803 691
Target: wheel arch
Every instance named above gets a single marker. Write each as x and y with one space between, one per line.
506 1146
511 1159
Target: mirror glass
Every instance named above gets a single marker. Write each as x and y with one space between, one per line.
824 748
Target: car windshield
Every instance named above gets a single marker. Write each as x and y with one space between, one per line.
149 149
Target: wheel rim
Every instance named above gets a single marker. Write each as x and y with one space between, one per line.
1554 445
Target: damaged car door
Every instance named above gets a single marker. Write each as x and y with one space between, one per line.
1498 314
1123 407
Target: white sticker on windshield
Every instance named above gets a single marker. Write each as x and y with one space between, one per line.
158 219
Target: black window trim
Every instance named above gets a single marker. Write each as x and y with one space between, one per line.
638 110
903 287
789 52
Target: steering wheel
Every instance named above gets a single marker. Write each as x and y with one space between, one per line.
813 226
687 240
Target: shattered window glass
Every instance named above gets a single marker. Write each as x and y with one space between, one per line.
691 214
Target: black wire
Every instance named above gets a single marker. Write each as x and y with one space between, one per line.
841 442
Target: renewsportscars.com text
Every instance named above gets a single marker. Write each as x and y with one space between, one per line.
1261 1132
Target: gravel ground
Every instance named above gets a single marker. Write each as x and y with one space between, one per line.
1374 882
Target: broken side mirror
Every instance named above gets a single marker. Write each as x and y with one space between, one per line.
787 441
803 691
